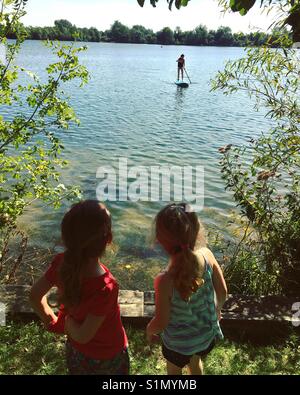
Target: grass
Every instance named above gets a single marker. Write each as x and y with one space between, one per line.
28 349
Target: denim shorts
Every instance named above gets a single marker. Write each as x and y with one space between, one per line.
79 364
182 360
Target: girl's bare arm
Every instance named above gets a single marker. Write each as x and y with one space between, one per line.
39 302
83 333
163 288
218 279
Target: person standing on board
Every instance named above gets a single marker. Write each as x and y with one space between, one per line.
181 64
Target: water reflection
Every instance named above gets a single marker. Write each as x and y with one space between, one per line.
180 96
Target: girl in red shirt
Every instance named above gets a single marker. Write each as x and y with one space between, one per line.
89 313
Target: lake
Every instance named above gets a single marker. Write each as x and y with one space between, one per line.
132 109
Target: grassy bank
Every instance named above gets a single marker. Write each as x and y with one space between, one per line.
28 349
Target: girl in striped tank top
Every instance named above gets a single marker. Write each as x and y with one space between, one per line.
189 294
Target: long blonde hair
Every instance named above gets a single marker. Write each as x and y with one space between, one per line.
86 230
177 230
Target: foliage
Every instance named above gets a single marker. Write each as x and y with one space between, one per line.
165 36
29 349
119 32
63 30
290 9
240 261
178 3
264 175
140 35
30 160
223 36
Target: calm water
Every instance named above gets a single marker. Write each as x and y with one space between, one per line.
131 108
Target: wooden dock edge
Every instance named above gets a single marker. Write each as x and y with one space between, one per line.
241 313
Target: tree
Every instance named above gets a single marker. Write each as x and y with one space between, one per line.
267 189
211 37
240 39
201 35
258 39
198 36
63 25
94 34
165 36
138 34
151 37
30 150
178 35
223 36
119 33
34 33
66 29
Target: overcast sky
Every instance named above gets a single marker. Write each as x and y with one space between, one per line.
102 13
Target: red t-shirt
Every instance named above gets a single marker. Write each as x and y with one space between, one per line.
100 298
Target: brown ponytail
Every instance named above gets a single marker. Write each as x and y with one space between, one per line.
86 230
177 230
185 271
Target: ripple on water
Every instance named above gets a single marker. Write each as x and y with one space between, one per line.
131 108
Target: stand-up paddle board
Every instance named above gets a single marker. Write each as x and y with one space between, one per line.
182 84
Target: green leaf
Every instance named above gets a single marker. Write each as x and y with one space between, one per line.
241 6
141 2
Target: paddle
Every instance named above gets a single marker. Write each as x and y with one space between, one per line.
187 75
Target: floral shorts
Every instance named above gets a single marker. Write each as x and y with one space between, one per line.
79 364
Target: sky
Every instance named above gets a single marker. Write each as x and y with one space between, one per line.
102 13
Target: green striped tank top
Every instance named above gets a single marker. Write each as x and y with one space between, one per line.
193 325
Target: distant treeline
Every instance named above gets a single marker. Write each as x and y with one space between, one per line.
63 30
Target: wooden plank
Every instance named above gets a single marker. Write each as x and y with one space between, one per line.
246 308
149 297
131 303
265 308
149 310
16 299
141 304
130 297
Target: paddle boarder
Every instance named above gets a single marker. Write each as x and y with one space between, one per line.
181 64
